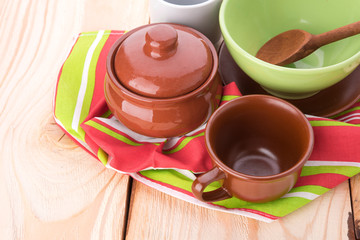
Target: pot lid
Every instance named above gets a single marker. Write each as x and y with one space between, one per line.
163 61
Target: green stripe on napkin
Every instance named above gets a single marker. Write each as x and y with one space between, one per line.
329 123
311 189
348 171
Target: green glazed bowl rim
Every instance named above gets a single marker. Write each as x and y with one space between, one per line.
228 39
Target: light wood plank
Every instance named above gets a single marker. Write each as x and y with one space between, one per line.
49 187
355 195
155 215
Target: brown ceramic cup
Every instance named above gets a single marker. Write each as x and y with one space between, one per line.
258 145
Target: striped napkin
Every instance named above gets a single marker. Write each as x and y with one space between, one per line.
170 165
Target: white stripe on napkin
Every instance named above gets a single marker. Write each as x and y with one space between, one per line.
349 116
307 195
332 163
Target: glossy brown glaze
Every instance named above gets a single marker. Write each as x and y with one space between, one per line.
258 145
162 117
163 61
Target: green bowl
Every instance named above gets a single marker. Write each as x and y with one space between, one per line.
247 24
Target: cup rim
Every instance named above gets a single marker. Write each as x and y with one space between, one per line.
114 79
300 163
187 6
228 38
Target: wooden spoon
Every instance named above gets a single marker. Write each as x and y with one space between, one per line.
293 45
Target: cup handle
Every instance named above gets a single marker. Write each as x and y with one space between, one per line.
204 180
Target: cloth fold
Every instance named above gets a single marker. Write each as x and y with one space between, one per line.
130 152
169 164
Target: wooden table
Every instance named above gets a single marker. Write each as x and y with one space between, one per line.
52 189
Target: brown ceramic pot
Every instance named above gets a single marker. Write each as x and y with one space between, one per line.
258 145
162 80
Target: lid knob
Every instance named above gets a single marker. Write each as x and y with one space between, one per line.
161 41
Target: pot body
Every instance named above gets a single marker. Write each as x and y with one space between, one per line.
163 118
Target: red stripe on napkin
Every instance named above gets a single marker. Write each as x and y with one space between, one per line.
231 89
328 180
332 143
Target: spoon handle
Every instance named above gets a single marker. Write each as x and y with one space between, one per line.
336 34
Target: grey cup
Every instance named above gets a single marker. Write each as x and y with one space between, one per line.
202 15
